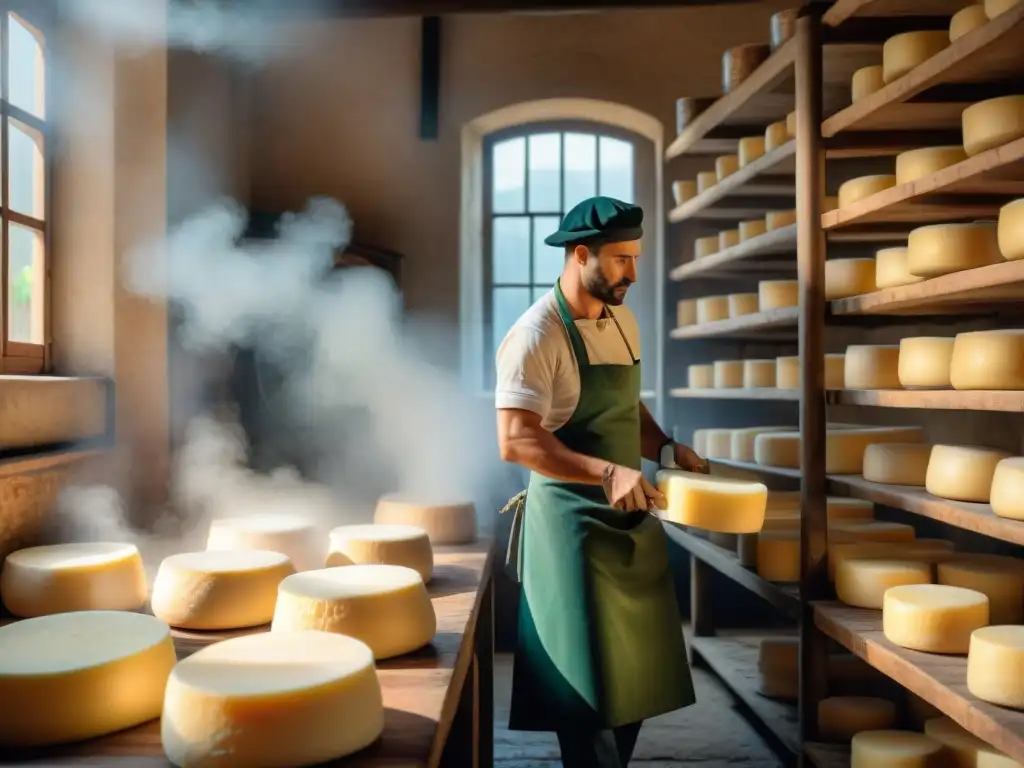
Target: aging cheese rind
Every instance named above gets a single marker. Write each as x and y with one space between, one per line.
992 123
686 312
848 277
933 618
967 20
706 180
967 750
742 304
728 238
925 362
904 52
726 166
941 249
892 269
862 583
728 374
962 472
1010 230
750 149
711 309
712 503
683 191
995 665
758 374
920 163
855 190
865 81
446 522
988 360
1000 580
872 366
382 545
894 749
775 135
700 376
751 229
705 246
1007 491
897 463
742 442
776 294
779 219
778 555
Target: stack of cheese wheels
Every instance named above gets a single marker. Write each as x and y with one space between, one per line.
1010 230
855 190
686 312
966 748
994 665
941 249
933 618
219 589
446 522
925 362
73 577
992 123
712 503
897 463
966 20
862 582
865 81
892 269
295 536
787 372
742 304
385 606
962 472
728 238
872 366
710 309
777 294
705 246
902 53
1007 491
275 699
78 675
895 749
919 163
848 277
923 550
382 545
988 360
683 191
1000 579
728 374
778 668
700 376
758 374
741 446
840 718
844 448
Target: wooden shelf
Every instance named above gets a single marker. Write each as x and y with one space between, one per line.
971 517
938 679
784 597
759 393
745 326
842 10
1008 401
760 469
993 52
777 242
828 755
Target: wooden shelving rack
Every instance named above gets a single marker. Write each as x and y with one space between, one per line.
811 73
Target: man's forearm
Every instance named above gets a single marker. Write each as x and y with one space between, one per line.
542 452
652 437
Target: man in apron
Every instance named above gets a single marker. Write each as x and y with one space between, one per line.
600 639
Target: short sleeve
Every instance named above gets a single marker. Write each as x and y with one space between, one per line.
526 366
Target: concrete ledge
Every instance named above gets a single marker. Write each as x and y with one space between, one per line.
49 410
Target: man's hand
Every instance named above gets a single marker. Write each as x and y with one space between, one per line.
687 458
628 490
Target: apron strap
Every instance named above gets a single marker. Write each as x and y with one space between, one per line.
579 349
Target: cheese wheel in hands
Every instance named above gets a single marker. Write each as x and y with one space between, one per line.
295 536
862 583
277 699
1000 580
446 522
73 577
382 545
933 618
840 718
904 52
897 463
995 665
78 675
988 360
962 472
992 123
892 269
895 749
712 503
1010 230
1007 492
925 361
941 249
967 749
385 606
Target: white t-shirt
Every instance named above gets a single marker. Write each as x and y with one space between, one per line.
536 368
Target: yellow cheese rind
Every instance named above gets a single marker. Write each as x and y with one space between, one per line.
779 219
892 269
840 718
446 522
742 304
1007 492
857 189
728 239
897 463
1010 230
742 443
700 376
923 550
686 312
93 576
751 229
848 277
902 53
776 294
988 360
382 545
1000 580
710 309
962 472
777 668
966 20
712 503
728 374
726 166
777 449
718 443
941 249
995 665
835 371
992 123
705 246
791 124
862 583
865 81
917 164
872 366
706 180
274 699
925 362
966 748
778 555
74 676
775 135
291 535
750 149
683 191
758 373
933 618
894 749
787 372
700 441
994 8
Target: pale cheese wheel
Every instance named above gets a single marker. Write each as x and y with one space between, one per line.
995 665
710 309
994 8
777 449
686 312
966 20
728 374
892 269
93 576
751 229
967 750
840 718
992 123
700 376
902 53
917 164
1001 580
1007 493
758 373
726 166
925 361
962 473
779 219
705 246
274 699
728 239
933 618
382 545
791 124
718 443
445 521
706 180
897 463
778 556
848 277
841 509
941 249
924 550
291 535
777 294
712 503
835 371
894 749
855 190
865 81
683 191
742 304
750 149
787 372
844 448
219 589
988 360
700 441
775 135
742 443
872 366
1010 230
82 674
385 606
862 583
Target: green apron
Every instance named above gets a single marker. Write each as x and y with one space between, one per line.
600 636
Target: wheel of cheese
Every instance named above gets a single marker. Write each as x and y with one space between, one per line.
775 135
966 20
1000 580
787 372
988 360
728 239
705 246
77 675
894 749
741 62
779 219
712 503
917 164
866 81
777 449
701 376
940 249
1010 230
872 366
446 522
750 149
778 668
933 618
995 665
385 606
855 190
700 441
962 473
382 545
995 7
73 577
897 463
791 124
844 448
776 294
966 748
902 53
295 536
274 699
728 374
726 166
742 442
928 551
710 309
778 556
219 589
925 362
686 312
718 443
683 191
835 371
992 123
751 229
1007 493
742 304
848 277
840 509
758 373
706 180
892 269
840 718
862 583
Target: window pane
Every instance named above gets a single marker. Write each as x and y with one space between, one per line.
616 169
545 173
25 67
547 261
26 277
507 305
580 168
510 249
25 148
539 290
508 168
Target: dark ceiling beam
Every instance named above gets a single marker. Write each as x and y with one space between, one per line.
368 8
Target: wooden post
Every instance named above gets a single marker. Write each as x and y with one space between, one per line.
430 77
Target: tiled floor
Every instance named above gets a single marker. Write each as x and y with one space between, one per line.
710 734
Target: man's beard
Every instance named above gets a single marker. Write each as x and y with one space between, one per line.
597 286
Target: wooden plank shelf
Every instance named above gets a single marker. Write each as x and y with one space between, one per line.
776 243
761 469
842 10
746 326
971 517
938 679
759 393
994 52
1008 401
785 597
828 755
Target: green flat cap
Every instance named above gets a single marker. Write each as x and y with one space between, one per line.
599 219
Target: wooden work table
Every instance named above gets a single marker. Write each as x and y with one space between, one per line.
439 702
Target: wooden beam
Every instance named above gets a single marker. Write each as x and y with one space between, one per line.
370 8
430 77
